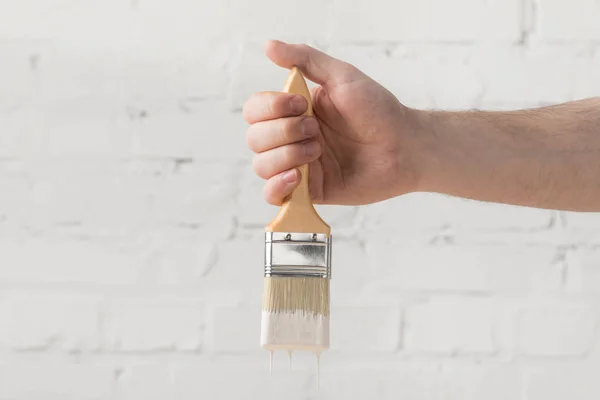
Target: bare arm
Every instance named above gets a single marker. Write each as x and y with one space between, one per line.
363 146
547 157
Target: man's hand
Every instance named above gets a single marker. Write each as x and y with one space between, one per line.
363 146
360 145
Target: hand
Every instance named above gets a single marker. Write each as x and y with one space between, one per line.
360 144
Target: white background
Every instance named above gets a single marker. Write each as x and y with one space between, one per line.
131 223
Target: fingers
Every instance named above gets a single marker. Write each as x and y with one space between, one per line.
264 106
280 186
272 162
316 65
267 135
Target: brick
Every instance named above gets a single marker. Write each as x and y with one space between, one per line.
485 216
146 50
449 326
64 128
252 380
235 329
530 71
237 273
351 271
14 187
416 73
433 212
274 19
184 19
143 381
17 58
196 129
206 203
181 380
68 74
583 270
149 381
385 380
53 20
365 329
493 268
151 70
55 261
464 21
490 381
19 136
587 78
95 195
175 258
580 228
556 330
85 128
582 221
39 322
153 324
230 20
578 381
562 22
55 379
166 67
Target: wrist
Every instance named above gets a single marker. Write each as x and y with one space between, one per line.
424 144
444 151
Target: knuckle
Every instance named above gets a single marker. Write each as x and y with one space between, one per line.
281 105
271 106
288 126
257 166
246 109
250 138
348 71
293 152
304 47
249 106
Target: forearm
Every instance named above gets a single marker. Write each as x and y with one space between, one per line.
547 157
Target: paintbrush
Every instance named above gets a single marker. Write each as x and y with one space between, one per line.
295 314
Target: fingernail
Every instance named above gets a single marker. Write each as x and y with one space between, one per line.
311 148
310 127
289 176
298 104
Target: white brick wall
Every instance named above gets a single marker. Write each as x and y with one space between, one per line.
131 221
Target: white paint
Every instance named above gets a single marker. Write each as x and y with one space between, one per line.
318 371
294 332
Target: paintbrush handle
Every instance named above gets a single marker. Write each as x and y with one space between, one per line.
297 85
297 213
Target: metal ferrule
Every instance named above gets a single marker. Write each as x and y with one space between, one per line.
297 254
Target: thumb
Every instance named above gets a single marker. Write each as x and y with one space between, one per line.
314 64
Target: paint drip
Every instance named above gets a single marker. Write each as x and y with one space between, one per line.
318 370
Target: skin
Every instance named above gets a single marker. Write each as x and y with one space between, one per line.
364 146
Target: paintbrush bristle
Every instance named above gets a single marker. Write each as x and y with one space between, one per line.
295 314
304 295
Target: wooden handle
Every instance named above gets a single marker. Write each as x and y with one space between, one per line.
296 84
297 213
